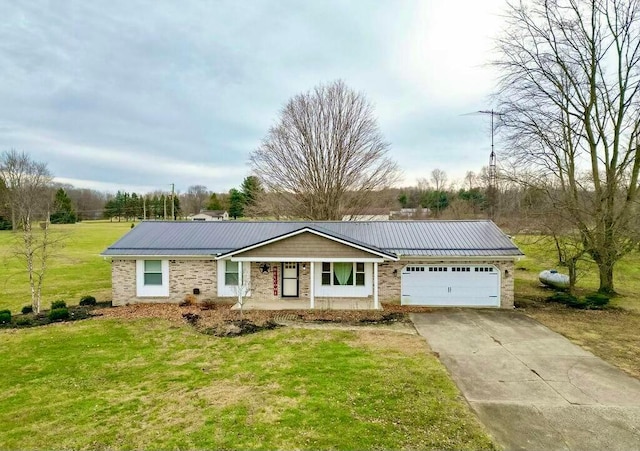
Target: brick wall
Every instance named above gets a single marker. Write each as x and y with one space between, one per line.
262 284
184 276
123 282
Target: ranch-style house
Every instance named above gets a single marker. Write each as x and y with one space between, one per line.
327 265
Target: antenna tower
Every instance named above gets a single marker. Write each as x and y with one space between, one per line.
492 189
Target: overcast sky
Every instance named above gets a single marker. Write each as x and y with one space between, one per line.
140 94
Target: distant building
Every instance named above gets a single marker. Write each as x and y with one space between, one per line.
369 214
410 213
210 215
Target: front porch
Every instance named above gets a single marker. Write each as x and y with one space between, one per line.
306 285
304 304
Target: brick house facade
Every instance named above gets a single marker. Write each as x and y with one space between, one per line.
311 268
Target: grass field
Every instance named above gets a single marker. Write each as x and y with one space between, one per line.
150 384
75 270
541 255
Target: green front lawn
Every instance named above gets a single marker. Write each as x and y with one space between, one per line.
148 384
75 269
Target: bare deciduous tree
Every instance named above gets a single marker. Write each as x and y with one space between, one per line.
29 196
439 179
570 111
470 180
325 154
195 199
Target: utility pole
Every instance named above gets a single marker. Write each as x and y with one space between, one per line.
144 208
164 198
173 203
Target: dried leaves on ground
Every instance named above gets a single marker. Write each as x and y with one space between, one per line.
223 313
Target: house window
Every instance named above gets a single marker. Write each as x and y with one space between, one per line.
153 272
152 278
341 274
231 273
326 273
360 274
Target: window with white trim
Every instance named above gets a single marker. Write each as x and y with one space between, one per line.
231 276
326 273
343 273
152 278
359 274
153 272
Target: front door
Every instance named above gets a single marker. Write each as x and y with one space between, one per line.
289 280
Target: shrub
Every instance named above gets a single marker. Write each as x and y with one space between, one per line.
24 321
5 316
562 297
58 314
87 300
596 300
58 304
27 309
208 305
189 299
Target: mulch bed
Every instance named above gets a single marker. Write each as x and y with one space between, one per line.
222 321
223 312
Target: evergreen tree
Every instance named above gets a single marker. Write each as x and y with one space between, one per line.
176 207
435 200
236 203
157 206
64 212
214 203
251 189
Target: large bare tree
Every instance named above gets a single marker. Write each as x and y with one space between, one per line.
29 195
195 199
325 154
570 112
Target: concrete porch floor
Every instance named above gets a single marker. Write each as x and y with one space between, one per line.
303 304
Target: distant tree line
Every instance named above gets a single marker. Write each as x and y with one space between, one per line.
132 206
238 202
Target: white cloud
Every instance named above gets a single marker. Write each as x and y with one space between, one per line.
446 48
107 186
142 94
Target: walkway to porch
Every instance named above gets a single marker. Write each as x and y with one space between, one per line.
303 304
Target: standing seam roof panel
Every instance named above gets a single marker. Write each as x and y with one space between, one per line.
411 237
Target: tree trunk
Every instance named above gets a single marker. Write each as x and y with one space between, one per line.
606 277
573 276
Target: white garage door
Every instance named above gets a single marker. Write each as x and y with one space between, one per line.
449 285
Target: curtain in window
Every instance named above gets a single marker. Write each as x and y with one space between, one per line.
343 272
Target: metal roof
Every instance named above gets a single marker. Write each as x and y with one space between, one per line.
409 238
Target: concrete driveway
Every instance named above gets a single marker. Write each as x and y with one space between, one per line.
531 387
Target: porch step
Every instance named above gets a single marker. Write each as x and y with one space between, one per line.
286 318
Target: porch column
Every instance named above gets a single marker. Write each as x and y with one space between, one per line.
240 277
312 297
376 303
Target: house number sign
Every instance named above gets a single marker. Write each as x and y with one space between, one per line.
275 280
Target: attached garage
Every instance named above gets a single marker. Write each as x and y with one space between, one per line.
451 285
